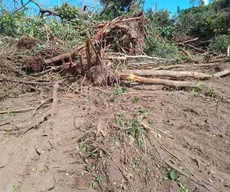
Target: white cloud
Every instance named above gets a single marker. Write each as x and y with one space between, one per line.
206 2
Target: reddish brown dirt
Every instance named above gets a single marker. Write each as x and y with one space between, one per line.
96 142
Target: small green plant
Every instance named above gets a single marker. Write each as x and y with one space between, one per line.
51 188
172 175
91 184
211 93
118 90
133 126
196 88
15 188
153 108
85 147
182 188
99 179
46 166
5 134
135 163
135 100
59 77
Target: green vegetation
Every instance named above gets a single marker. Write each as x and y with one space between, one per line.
220 43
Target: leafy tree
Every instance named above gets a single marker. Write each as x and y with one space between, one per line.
161 22
67 12
202 22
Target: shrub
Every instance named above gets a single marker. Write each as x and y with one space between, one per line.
202 21
161 48
220 44
161 22
9 22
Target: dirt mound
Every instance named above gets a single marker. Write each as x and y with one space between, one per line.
27 42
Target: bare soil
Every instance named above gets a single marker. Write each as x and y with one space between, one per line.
114 138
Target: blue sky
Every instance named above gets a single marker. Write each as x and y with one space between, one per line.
161 4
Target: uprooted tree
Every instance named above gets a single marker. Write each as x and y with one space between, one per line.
102 46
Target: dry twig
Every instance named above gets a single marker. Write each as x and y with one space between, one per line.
17 111
41 104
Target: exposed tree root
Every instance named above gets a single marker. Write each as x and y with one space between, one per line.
42 103
49 113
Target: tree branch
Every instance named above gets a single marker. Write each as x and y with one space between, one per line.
43 11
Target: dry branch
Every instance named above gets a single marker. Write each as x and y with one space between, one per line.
175 74
27 82
119 20
205 64
43 11
221 60
17 111
152 81
187 54
193 47
188 41
122 56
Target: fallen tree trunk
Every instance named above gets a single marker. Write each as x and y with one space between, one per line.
176 74
222 73
152 81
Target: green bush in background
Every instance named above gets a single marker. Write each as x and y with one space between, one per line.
220 44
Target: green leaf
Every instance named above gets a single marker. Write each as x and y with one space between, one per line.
51 188
172 175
